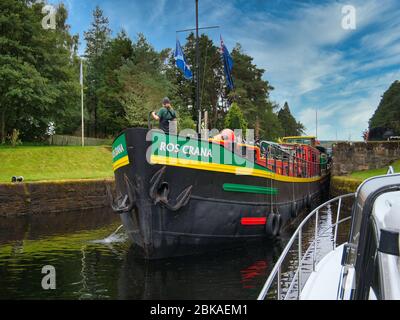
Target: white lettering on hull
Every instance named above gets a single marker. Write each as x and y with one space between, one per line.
187 150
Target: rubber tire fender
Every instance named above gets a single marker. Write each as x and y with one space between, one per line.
272 226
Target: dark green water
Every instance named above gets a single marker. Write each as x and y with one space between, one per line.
93 262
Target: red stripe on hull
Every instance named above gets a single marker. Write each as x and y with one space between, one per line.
253 221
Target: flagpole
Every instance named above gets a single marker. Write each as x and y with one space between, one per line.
82 124
197 65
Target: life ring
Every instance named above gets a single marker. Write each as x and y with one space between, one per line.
273 225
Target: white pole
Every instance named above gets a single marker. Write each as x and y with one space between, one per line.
83 124
199 124
316 123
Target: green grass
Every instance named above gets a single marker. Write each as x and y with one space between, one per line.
374 172
37 163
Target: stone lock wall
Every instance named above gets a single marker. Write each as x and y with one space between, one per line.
357 156
47 197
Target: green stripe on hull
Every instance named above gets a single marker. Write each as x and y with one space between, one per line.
233 187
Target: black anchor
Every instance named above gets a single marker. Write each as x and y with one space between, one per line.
159 192
120 204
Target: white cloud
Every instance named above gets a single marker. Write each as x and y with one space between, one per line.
308 57
304 62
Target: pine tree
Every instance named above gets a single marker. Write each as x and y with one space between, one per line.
211 78
251 91
96 38
272 129
289 124
111 117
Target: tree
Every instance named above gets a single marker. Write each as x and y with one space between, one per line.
235 119
96 38
185 121
111 117
387 114
142 82
289 124
211 73
251 91
272 127
37 70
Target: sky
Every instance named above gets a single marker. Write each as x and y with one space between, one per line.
314 56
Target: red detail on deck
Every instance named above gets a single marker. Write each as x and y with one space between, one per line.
253 221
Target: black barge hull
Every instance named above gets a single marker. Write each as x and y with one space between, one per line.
174 210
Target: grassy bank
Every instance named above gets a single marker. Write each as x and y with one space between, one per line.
37 163
343 185
347 184
362 175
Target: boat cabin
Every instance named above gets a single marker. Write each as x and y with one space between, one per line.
372 255
308 140
294 157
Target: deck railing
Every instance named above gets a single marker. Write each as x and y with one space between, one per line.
276 272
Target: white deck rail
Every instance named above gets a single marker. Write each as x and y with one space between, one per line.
297 278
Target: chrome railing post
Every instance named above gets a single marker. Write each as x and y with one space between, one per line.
277 269
279 283
336 224
315 240
299 269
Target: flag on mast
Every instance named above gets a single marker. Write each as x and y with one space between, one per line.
228 64
180 61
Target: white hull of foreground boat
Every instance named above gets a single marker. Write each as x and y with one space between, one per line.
324 282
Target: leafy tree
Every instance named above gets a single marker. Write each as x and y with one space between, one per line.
143 84
37 69
387 114
235 118
185 121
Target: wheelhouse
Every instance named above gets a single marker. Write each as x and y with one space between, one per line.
307 140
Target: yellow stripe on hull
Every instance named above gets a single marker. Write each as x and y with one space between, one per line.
120 163
193 164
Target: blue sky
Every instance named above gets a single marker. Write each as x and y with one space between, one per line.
309 58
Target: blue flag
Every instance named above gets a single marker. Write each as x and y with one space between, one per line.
228 64
180 61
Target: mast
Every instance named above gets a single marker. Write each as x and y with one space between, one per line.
197 66
197 108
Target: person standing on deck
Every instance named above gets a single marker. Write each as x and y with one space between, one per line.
165 115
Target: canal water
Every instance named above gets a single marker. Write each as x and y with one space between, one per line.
94 259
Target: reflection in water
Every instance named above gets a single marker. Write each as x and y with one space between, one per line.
98 262
231 274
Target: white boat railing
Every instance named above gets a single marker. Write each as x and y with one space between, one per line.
276 272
